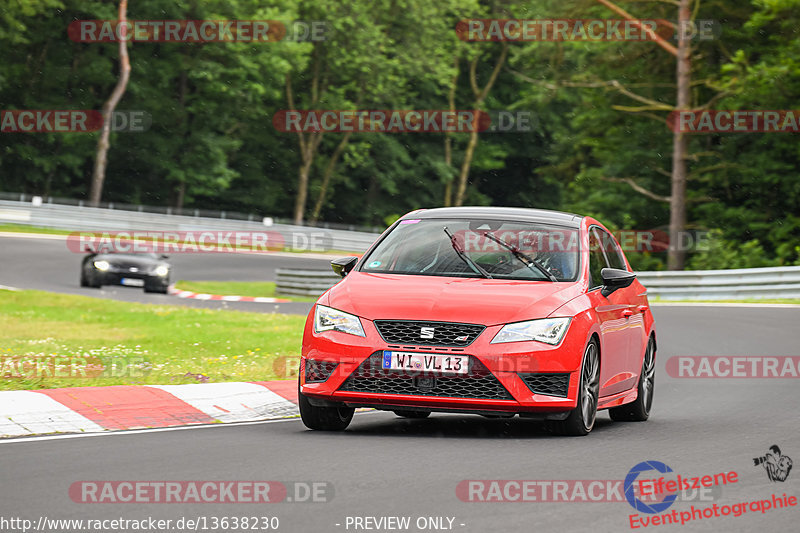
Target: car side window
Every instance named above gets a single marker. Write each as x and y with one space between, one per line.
612 250
597 260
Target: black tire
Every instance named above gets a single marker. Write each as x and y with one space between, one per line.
581 419
412 414
89 281
639 409
323 418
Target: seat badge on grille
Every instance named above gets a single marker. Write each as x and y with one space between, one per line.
426 333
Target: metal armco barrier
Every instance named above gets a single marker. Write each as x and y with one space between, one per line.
734 284
304 282
81 218
780 282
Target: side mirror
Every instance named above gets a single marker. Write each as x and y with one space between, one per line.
163 256
343 265
614 278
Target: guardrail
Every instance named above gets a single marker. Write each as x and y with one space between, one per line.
734 284
304 282
758 283
82 218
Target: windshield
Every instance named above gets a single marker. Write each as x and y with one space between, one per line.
477 248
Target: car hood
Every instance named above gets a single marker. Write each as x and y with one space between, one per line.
436 298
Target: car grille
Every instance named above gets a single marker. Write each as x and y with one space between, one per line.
319 371
550 384
479 383
443 333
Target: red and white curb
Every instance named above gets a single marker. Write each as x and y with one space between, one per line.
225 298
119 407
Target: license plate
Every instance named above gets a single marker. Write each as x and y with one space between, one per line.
132 282
426 362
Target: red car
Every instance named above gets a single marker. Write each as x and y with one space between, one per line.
483 310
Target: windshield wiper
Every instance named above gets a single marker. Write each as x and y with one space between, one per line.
470 263
525 259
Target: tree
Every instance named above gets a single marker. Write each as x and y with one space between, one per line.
99 174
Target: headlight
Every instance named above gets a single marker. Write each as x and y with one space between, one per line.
547 330
101 265
326 319
161 270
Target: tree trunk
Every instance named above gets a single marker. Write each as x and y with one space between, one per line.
480 96
676 256
465 165
448 135
99 174
181 196
326 177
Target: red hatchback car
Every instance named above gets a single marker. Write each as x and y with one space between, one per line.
483 310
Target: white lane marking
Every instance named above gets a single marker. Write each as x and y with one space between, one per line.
158 430
231 402
28 413
724 304
7 288
16 215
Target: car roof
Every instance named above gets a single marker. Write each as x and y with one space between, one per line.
521 214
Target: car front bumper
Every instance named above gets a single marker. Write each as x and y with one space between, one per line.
528 378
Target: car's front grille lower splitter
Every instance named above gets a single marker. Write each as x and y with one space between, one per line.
479 383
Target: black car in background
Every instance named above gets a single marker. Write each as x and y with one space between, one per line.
146 270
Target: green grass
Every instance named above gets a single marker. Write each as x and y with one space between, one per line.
238 288
23 228
139 343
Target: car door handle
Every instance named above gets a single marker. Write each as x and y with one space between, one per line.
642 308
627 313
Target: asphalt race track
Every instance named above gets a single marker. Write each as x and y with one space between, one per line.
45 264
385 466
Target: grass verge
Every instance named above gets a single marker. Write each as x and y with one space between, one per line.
52 340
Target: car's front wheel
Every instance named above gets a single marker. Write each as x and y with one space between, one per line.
89 281
639 409
335 418
581 419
